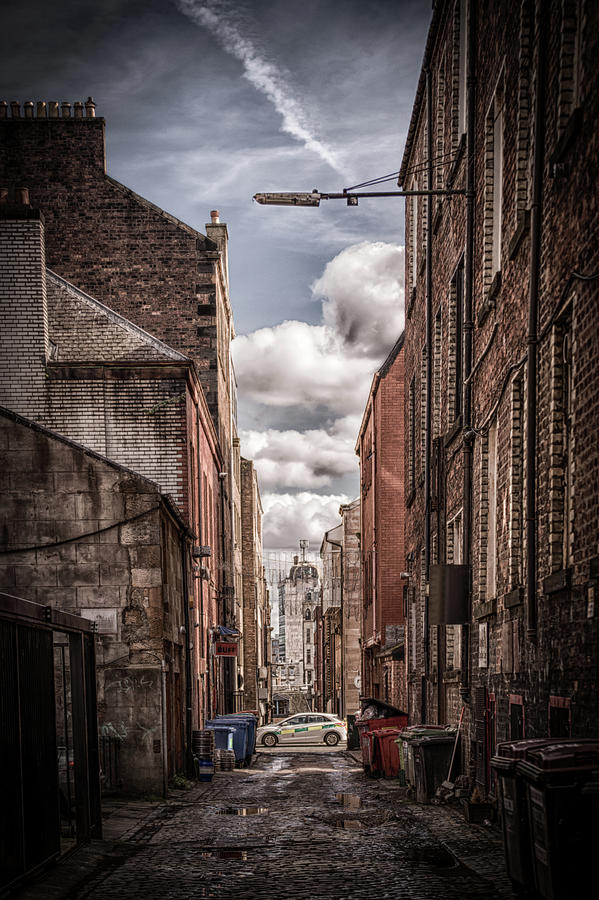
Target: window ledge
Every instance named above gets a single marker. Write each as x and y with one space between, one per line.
489 302
514 598
520 231
453 431
457 161
487 608
558 581
558 167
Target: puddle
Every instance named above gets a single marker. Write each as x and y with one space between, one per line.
243 810
438 857
350 801
224 854
349 824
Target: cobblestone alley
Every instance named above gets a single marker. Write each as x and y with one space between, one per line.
301 825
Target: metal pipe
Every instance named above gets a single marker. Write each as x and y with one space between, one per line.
164 729
468 328
188 684
428 343
536 227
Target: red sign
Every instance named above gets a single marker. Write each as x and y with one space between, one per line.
224 648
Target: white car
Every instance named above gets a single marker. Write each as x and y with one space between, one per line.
304 728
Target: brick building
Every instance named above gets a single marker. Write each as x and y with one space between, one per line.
501 363
257 676
141 262
339 619
94 538
380 446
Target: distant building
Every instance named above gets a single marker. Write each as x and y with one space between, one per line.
298 597
338 675
380 447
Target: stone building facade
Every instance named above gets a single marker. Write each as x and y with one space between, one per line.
501 363
257 650
94 538
298 598
380 447
159 273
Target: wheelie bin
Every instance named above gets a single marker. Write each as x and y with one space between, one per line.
562 788
405 741
432 754
240 736
514 809
367 725
223 736
386 751
253 727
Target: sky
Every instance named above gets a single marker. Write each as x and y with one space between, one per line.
208 102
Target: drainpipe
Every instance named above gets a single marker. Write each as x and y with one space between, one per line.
202 633
429 372
188 685
164 729
468 328
536 227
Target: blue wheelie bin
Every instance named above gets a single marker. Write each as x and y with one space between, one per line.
223 736
253 726
240 736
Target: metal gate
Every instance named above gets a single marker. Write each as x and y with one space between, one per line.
49 736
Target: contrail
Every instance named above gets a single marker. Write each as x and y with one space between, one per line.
218 18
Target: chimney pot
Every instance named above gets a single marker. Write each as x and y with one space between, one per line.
78 109
3 109
22 196
15 109
66 110
41 109
215 216
53 109
28 109
90 108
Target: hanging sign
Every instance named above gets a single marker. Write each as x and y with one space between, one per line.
225 648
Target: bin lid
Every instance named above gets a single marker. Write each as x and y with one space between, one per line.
414 732
220 727
518 749
441 738
373 708
561 755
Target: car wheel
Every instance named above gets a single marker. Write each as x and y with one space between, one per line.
270 740
331 739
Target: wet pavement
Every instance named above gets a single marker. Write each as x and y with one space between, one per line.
301 825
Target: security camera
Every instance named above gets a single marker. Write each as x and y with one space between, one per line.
404 575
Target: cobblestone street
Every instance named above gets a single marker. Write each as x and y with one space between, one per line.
304 825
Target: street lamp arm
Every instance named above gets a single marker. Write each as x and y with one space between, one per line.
313 198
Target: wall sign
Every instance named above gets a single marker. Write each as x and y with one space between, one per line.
225 648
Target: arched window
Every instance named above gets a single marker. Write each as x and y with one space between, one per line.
308 614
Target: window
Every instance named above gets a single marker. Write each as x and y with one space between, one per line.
412 435
493 186
517 495
423 409
491 537
456 308
308 636
569 62
440 132
460 69
437 350
523 155
453 633
561 466
308 657
516 713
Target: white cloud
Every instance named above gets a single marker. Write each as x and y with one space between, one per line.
296 363
363 295
222 20
289 517
308 459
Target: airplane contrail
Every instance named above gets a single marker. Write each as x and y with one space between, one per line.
218 17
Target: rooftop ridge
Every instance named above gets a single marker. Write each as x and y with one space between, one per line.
50 109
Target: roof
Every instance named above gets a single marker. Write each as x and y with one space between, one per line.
431 40
380 373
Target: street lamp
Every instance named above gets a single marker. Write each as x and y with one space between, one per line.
314 197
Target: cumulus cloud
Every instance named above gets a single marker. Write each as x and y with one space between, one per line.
295 363
308 459
289 517
363 295
222 19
